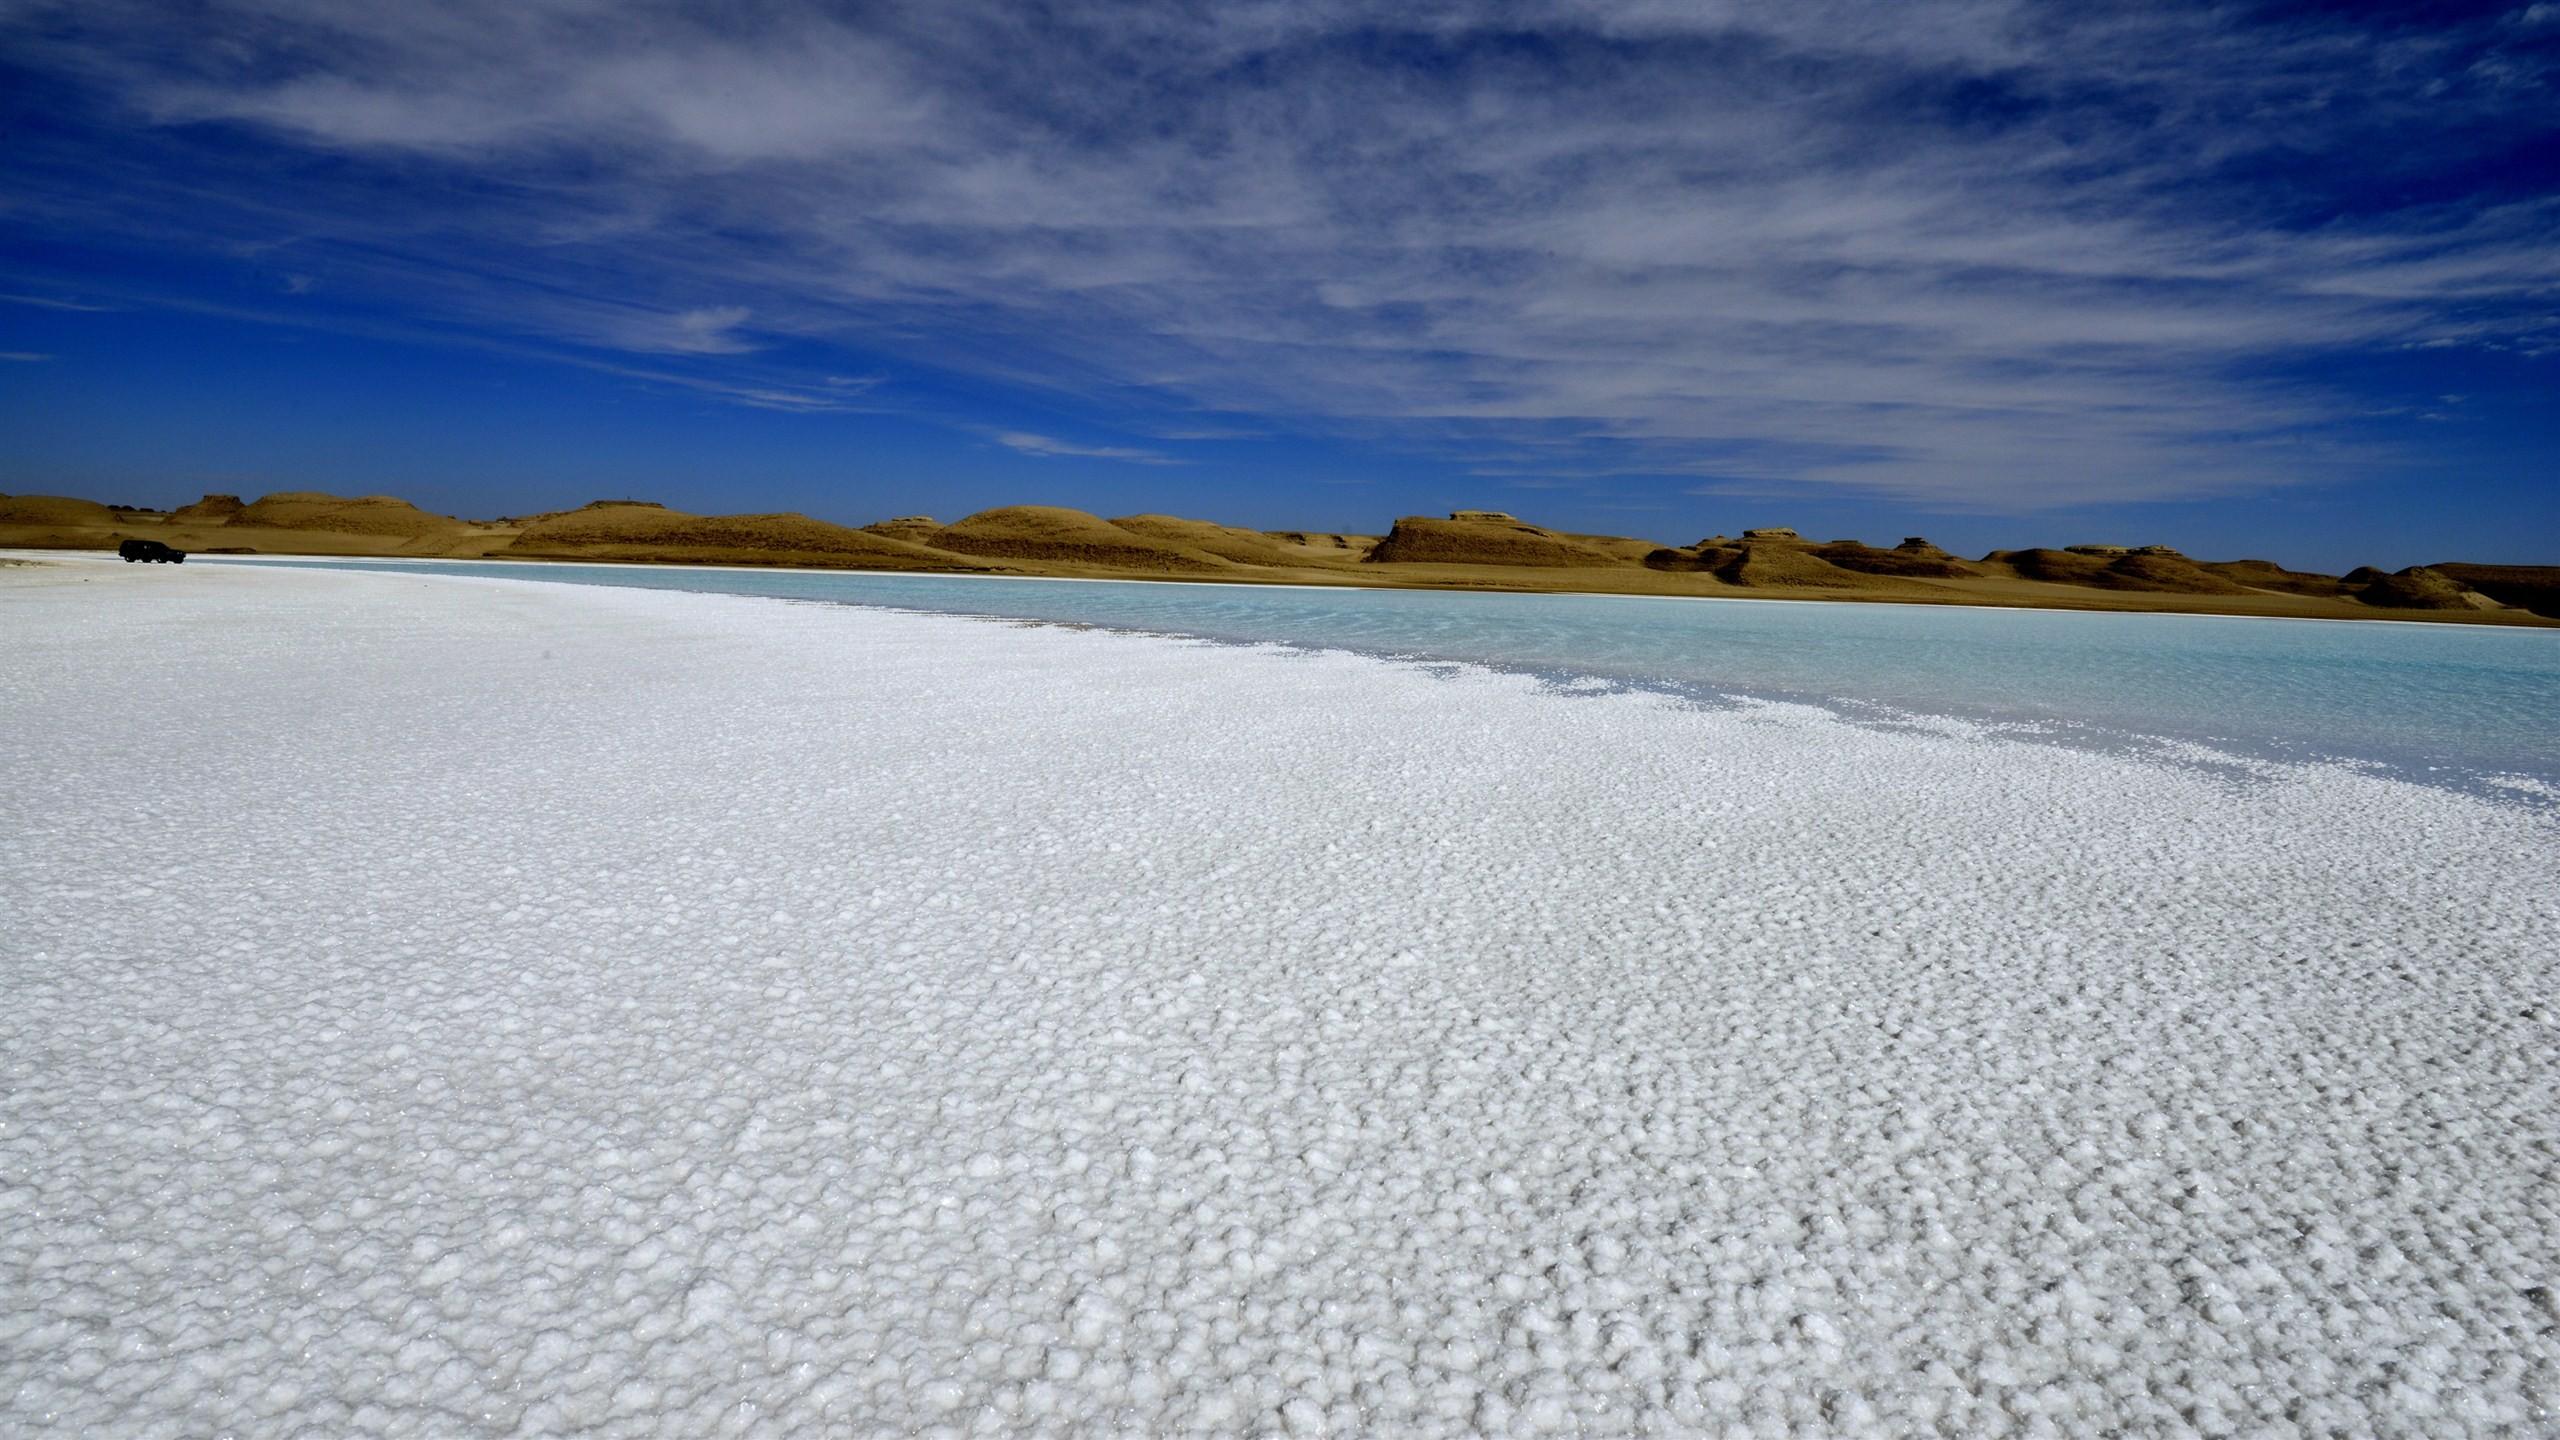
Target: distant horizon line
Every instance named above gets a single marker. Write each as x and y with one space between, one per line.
1463 511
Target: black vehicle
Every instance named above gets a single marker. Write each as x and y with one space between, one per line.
133 550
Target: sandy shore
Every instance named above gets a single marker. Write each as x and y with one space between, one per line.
440 1006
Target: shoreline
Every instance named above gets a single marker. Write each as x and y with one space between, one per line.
2511 620
1999 695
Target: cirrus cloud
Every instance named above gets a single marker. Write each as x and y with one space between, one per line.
1964 252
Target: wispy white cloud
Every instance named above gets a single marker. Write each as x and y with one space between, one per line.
1977 252
42 302
708 331
1048 447
23 357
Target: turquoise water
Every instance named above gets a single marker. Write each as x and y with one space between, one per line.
2452 703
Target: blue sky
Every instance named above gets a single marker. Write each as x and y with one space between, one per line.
2249 279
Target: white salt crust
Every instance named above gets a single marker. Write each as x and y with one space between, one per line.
441 1007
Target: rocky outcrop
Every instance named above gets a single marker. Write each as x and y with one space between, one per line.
211 510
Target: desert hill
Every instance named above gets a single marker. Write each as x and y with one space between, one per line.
1486 537
2422 588
2162 574
2268 575
313 510
2531 587
1226 542
1914 558
625 530
54 522
1054 535
1793 565
1470 549
51 510
914 529
1624 549
211 510
2168 575
1324 547
1703 557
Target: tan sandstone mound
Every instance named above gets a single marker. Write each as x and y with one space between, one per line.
914 529
2058 567
1625 549
382 515
1050 534
1792 565
2151 572
1706 556
626 530
1904 560
1227 542
2169 573
2422 588
2268 575
211 510
1324 545
1422 540
2531 587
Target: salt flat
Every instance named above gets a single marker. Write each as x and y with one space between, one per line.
438 1007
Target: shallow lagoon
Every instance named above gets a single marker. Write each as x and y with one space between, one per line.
2456 704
